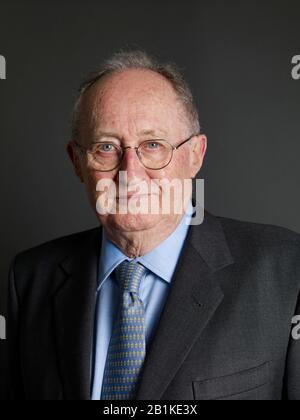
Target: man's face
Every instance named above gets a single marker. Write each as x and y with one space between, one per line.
127 108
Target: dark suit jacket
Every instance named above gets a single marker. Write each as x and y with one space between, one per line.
225 331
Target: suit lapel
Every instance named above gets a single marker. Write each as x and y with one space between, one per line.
74 309
193 299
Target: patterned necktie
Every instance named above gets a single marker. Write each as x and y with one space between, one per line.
127 348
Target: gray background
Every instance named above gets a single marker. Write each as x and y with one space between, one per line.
236 56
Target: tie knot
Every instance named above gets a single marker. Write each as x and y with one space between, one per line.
129 276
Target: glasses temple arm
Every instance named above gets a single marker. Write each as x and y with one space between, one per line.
185 141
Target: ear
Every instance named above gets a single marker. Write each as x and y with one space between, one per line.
73 155
198 151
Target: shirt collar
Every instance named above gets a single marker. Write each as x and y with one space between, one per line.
161 261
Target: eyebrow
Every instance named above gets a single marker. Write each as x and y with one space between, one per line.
153 133
147 132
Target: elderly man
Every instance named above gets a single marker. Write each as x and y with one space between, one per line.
150 305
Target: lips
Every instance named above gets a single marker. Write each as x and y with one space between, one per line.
133 195
129 195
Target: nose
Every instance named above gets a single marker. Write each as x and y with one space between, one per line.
131 162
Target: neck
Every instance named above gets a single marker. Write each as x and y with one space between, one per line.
138 243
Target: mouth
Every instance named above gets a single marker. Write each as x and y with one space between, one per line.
128 196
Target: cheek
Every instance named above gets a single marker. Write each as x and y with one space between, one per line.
184 165
178 168
92 179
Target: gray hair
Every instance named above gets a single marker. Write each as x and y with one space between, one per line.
139 60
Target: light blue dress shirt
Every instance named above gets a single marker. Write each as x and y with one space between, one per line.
161 263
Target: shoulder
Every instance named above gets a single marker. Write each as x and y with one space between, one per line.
261 241
54 251
258 233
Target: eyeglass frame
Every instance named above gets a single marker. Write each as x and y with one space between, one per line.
122 149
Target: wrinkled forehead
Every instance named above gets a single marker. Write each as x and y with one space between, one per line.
132 101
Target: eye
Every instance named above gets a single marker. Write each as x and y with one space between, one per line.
153 145
106 147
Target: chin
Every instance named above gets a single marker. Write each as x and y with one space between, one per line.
130 222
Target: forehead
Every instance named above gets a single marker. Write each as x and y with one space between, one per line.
132 100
